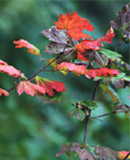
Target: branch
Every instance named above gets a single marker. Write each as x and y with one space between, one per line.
119 44
107 114
32 76
88 117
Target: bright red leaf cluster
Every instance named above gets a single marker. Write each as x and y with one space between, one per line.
49 85
81 69
31 48
74 25
93 44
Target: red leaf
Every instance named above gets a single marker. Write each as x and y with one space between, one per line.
49 85
29 88
10 70
81 69
74 25
123 154
93 44
4 92
31 48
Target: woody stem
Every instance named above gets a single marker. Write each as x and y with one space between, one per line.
88 117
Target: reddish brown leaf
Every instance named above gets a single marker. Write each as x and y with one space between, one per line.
49 85
10 70
4 92
31 48
29 88
74 25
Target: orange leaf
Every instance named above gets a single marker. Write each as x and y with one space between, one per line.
4 92
31 48
74 25
122 154
49 85
29 88
10 70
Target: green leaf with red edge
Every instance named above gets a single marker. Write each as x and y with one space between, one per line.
31 48
50 85
78 113
105 153
111 92
29 88
123 154
74 25
4 92
10 70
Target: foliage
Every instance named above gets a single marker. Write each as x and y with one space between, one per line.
79 53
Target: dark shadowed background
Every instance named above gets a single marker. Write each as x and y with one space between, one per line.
31 130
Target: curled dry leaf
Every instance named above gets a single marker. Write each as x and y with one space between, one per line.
4 92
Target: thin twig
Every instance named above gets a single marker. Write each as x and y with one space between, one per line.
126 156
119 44
88 117
32 76
106 114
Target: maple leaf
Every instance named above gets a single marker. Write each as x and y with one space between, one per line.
10 70
87 45
31 48
101 72
81 69
49 85
4 92
122 21
29 88
74 25
123 154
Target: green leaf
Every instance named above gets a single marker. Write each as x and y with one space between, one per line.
111 92
111 54
57 98
78 113
89 104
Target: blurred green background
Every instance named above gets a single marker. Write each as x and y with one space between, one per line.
31 130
